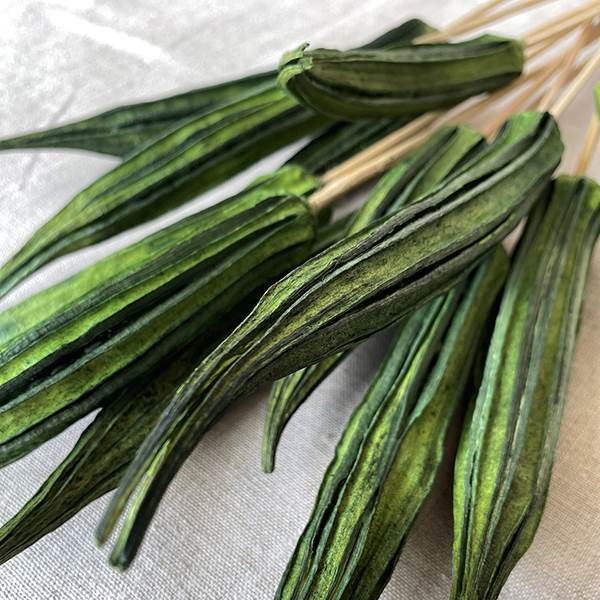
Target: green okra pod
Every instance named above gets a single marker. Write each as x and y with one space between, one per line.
374 83
387 459
505 457
104 450
192 158
419 172
101 454
107 446
126 129
343 295
68 349
122 130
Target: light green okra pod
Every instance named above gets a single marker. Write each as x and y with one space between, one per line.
70 348
192 158
506 452
106 447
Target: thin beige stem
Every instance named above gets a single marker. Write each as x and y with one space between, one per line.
382 155
482 20
566 68
475 13
578 82
523 101
532 52
562 24
377 148
589 145
336 188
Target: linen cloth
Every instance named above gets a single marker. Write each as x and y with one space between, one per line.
224 529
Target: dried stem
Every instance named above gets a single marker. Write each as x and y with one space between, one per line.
562 24
473 14
574 88
362 173
566 68
589 145
481 20
401 134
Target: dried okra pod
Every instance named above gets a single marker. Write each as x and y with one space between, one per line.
387 459
192 158
122 130
102 453
126 129
356 84
506 452
343 295
416 174
69 348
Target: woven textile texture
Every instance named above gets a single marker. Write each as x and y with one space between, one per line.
225 530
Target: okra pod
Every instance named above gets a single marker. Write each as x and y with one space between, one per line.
343 295
419 172
191 159
126 129
505 456
387 458
122 130
357 84
68 349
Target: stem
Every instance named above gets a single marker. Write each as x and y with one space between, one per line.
580 80
475 13
362 173
480 20
589 144
382 145
532 52
566 68
562 24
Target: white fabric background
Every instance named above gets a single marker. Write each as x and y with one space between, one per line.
225 530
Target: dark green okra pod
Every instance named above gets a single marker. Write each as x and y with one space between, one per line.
103 451
387 459
358 84
506 452
126 129
122 130
419 172
343 295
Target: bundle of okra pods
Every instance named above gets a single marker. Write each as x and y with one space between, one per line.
163 335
